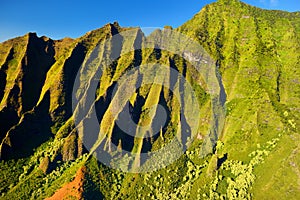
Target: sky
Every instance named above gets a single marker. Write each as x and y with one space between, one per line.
72 18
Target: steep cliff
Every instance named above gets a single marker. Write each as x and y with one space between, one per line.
254 55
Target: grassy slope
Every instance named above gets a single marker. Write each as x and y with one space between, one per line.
257 51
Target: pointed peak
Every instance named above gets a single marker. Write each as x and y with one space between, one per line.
112 25
116 24
45 38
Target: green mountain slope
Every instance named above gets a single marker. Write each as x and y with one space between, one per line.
256 56
258 52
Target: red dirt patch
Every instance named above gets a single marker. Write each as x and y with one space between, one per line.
72 190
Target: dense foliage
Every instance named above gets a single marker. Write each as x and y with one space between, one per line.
257 155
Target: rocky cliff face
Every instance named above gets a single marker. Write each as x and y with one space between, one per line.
38 75
256 56
39 104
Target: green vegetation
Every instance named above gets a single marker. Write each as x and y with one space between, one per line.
257 55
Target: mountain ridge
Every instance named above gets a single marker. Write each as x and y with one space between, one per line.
257 54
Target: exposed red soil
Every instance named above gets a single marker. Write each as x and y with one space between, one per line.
72 190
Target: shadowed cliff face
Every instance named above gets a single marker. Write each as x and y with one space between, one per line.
23 75
40 101
257 59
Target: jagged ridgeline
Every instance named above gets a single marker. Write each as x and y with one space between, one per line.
256 62
36 106
37 97
147 95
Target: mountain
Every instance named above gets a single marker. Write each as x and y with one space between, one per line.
247 149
